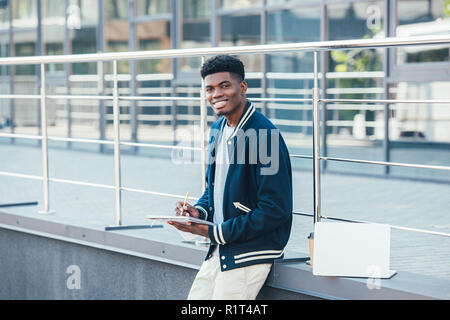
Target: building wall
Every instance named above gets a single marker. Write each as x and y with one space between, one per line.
105 25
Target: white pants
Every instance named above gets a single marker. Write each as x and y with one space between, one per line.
237 284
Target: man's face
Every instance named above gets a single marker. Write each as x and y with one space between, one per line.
225 92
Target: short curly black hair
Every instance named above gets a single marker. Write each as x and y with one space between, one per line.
223 63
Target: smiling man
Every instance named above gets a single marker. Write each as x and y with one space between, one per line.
251 206
226 94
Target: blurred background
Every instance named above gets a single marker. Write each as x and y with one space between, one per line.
413 132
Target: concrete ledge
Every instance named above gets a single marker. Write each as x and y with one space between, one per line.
405 286
120 242
286 281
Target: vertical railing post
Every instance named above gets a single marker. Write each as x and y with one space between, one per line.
12 71
38 52
101 73
67 72
204 142
386 116
316 145
44 145
102 107
117 170
132 65
388 10
117 173
324 35
203 125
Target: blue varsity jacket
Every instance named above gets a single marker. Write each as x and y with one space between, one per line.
257 197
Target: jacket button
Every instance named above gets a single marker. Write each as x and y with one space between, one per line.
223 257
210 208
224 266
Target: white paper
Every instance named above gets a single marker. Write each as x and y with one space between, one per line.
181 219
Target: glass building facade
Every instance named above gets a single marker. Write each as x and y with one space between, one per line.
55 27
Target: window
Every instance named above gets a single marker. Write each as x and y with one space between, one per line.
53 31
195 30
295 25
25 49
81 12
51 49
24 13
418 18
420 121
116 9
89 12
275 2
357 20
152 7
289 26
154 35
239 4
4 16
116 32
4 52
240 30
420 63
84 41
53 10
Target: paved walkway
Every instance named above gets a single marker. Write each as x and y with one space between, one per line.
413 204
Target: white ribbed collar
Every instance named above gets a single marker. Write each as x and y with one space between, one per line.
248 113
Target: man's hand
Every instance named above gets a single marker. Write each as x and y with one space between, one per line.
187 210
191 227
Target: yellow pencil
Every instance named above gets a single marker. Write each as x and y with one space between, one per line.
185 201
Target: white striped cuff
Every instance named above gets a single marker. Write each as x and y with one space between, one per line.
218 235
258 255
203 210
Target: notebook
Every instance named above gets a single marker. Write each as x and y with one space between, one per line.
181 219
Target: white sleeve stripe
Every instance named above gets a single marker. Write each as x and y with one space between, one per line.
215 234
220 234
204 211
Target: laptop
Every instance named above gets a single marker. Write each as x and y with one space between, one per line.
352 250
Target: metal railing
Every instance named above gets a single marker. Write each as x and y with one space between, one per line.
84 97
316 47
